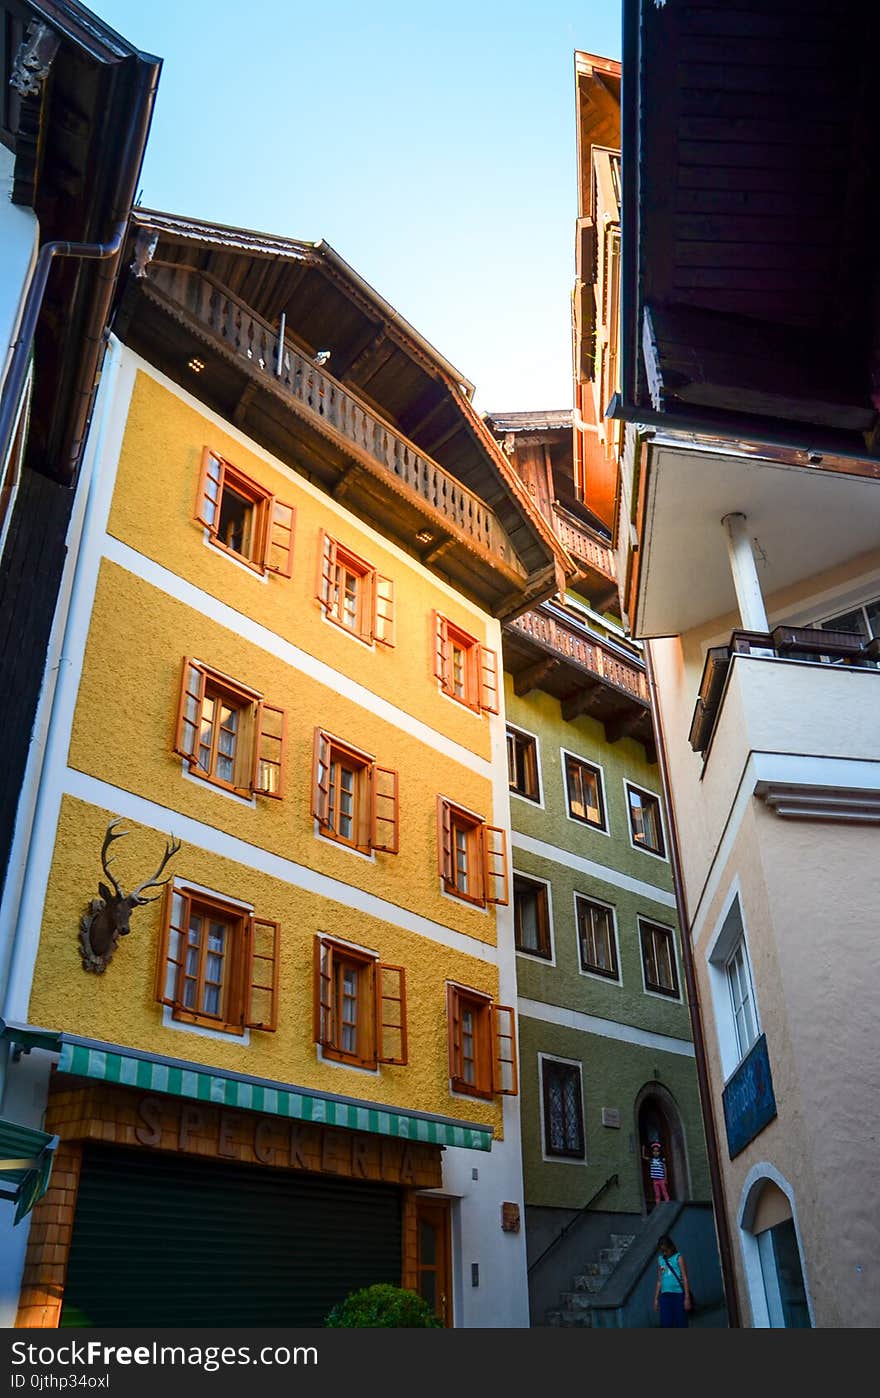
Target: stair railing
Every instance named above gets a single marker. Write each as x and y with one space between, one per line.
554 1242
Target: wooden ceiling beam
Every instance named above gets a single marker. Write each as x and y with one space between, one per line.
529 678
581 702
625 723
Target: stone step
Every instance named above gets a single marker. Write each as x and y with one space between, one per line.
593 1269
569 1318
590 1284
622 1240
611 1254
580 1300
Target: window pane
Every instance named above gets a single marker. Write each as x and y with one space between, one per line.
562 1109
235 528
644 812
853 621
873 611
584 798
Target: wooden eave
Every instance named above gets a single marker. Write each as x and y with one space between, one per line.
753 213
553 651
75 166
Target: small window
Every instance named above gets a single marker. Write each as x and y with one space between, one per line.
217 964
353 594
522 764
645 825
244 518
583 786
229 734
354 800
531 916
597 944
360 1006
658 959
742 1000
482 1044
467 670
563 1110
472 855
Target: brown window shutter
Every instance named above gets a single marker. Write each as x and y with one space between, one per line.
385 819
279 541
189 710
270 750
504 1074
391 1039
261 974
441 650
209 490
445 860
326 570
321 778
453 1026
323 1004
383 610
495 880
488 680
172 945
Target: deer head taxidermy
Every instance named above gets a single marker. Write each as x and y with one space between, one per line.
109 916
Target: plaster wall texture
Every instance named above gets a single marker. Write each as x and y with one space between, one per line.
811 935
119 1006
124 731
152 511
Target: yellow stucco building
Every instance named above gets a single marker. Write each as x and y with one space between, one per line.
276 661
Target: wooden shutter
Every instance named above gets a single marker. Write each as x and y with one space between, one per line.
189 711
504 1075
495 864
488 680
172 945
270 748
453 1027
383 610
445 859
321 778
326 570
323 1001
210 490
279 541
442 664
391 1045
261 974
384 819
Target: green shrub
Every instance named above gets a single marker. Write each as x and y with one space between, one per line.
383 1305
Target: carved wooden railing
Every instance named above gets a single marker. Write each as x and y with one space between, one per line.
322 399
590 654
583 545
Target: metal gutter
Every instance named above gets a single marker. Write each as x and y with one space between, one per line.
725 1249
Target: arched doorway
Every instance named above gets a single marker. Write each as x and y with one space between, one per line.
658 1119
772 1256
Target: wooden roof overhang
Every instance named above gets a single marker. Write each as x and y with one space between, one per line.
381 420
78 130
751 137
589 674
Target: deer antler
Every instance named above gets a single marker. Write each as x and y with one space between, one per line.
171 849
111 835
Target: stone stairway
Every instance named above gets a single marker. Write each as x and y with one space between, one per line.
575 1306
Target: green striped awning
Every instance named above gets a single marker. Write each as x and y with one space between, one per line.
26 1158
154 1074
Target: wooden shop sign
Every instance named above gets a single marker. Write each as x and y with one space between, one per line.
193 1128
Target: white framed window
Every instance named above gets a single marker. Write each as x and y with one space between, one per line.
659 959
644 810
561 1095
598 951
737 1021
584 785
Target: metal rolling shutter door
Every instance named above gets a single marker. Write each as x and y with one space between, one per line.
170 1240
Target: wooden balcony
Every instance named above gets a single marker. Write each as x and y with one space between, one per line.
596 578
304 415
784 643
587 673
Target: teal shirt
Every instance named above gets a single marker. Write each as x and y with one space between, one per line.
668 1280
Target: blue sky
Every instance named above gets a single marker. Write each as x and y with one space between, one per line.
433 145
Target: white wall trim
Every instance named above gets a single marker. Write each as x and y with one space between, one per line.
588 866
604 1028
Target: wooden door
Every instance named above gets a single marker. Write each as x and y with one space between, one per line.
433 1266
